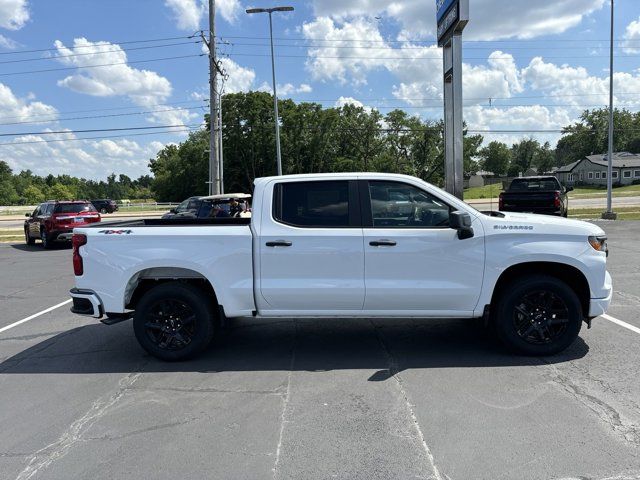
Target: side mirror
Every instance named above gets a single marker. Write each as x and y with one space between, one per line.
27 214
461 221
173 210
568 189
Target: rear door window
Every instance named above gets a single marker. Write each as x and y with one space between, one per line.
314 204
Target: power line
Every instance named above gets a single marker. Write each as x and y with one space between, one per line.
91 130
57 57
204 100
430 42
102 65
412 47
339 57
128 42
88 117
101 137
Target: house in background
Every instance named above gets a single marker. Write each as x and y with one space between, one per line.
592 170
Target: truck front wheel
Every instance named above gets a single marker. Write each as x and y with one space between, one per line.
174 321
538 315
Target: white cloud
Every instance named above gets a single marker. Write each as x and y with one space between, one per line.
14 14
189 14
631 37
574 85
342 101
490 19
532 117
6 42
143 87
287 89
240 79
418 68
14 109
81 158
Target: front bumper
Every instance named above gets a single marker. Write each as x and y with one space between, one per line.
599 306
86 302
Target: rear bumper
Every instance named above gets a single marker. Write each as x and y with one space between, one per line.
599 306
538 211
86 302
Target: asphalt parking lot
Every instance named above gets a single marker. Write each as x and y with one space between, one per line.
316 399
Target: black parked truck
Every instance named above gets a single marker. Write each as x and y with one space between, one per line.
541 194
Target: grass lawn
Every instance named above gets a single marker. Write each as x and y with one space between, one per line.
488 191
492 191
11 234
624 213
626 191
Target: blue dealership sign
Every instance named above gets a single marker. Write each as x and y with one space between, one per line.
441 8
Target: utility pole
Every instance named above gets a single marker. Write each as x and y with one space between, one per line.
220 148
610 214
214 167
273 76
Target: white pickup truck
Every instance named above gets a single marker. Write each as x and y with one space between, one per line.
344 245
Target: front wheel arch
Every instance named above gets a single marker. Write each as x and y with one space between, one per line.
568 274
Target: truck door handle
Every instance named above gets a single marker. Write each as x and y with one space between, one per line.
383 243
279 243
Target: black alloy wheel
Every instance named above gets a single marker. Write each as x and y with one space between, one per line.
174 321
537 315
540 317
170 324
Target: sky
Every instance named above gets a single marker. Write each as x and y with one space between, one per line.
75 73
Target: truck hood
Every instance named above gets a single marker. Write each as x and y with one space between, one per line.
529 222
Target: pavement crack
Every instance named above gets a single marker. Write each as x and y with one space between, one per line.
74 432
394 372
277 392
285 400
153 428
630 432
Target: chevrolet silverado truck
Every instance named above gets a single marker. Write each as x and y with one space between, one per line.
345 246
544 195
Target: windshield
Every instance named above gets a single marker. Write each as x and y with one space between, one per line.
74 208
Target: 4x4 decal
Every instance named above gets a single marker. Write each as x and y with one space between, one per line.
116 232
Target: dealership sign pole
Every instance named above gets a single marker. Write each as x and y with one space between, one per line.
452 16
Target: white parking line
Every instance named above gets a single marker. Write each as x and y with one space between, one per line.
621 323
35 315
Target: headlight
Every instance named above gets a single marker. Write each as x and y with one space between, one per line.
599 243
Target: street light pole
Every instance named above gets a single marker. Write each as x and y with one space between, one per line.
610 214
273 74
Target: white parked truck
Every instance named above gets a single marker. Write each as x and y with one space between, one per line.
344 245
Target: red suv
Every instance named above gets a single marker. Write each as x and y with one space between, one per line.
54 221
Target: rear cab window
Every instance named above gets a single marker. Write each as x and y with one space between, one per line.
325 204
534 185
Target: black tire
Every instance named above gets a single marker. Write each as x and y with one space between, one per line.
103 210
27 237
46 243
174 321
538 315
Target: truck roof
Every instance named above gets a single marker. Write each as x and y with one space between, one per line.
320 176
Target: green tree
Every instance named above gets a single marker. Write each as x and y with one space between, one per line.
523 154
60 192
544 159
33 195
496 158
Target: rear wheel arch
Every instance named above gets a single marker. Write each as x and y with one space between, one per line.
568 274
146 279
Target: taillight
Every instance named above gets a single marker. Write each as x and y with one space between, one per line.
77 241
556 200
501 201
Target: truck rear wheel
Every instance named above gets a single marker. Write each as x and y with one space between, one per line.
174 321
539 315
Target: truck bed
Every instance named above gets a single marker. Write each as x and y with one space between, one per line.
173 222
